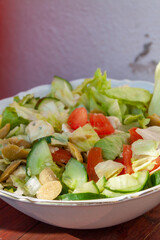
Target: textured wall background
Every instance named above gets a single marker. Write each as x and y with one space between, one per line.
40 38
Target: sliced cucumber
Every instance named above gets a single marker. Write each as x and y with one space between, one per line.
60 81
128 183
47 104
62 90
74 175
38 158
87 187
101 183
155 178
81 196
110 194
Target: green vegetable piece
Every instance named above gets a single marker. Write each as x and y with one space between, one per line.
155 178
10 116
38 158
80 196
112 145
74 174
128 183
154 106
130 94
84 138
62 90
87 187
101 183
111 194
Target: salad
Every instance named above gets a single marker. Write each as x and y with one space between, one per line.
90 142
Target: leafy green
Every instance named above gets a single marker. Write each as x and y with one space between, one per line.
84 138
108 169
130 94
26 113
112 145
154 106
144 152
9 115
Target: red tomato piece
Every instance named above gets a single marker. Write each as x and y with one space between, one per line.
127 155
101 124
94 157
134 136
120 160
157 164
78 118
61 156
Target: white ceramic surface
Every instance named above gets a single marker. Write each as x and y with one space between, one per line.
87 214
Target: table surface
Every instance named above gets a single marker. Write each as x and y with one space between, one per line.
15 225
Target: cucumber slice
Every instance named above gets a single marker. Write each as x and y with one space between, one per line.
74 175
62 90
38 158
128 183
87 187
61 81
101 183
155 178
47 104
110 194
80 196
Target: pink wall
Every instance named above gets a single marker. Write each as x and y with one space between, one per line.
71 38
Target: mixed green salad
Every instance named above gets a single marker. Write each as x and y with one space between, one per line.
90 142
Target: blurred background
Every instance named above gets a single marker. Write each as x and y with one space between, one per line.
41 38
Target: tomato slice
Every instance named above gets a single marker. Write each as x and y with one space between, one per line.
157 164
120 160
78 118
94 157
61 156
101 124
127 155
134 136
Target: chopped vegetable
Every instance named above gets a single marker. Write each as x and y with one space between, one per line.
94 157
101 124
78 118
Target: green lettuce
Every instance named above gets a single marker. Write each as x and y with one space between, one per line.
144 152
154 106
9 115
84 138
112 145
108 169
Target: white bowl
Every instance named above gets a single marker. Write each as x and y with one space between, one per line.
88 214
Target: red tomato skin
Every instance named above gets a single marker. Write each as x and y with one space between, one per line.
127 155
101 124
61 156
94 157
78 118
134 136
120 160
157 164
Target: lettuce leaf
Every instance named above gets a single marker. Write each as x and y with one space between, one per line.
144 152
84 138
9 115
108 169
154 106
150 133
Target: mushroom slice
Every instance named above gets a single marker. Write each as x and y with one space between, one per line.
47 175
75 152
49 190
13 152
10 169
19 142
154 120
4 131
